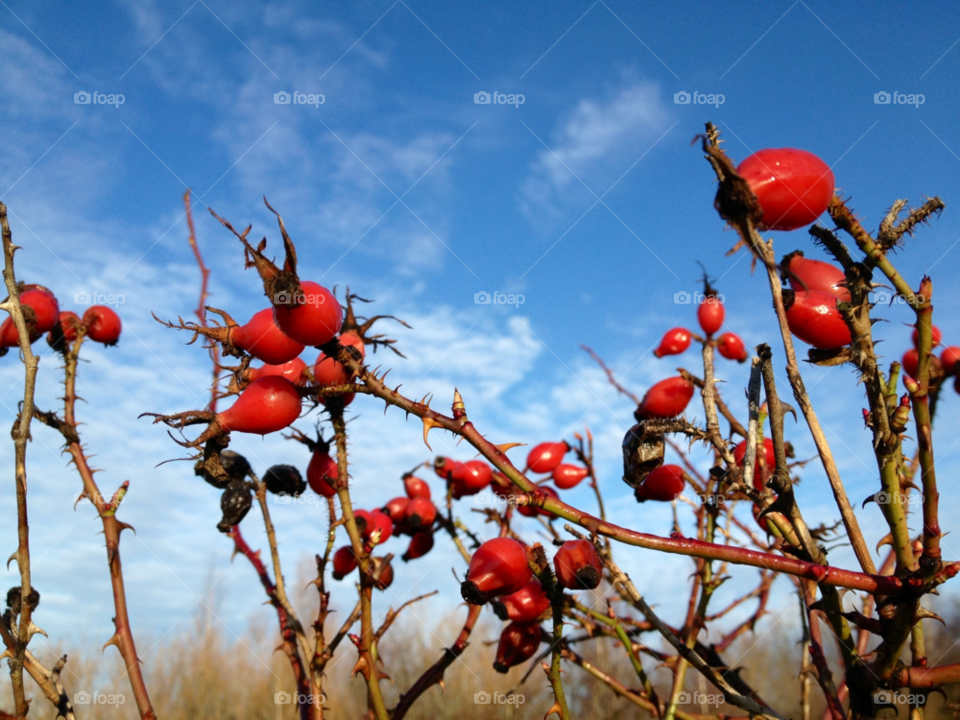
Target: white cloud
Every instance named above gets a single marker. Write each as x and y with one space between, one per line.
597 142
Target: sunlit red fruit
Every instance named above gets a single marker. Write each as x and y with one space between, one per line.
663 484
470 477
397 509
329 372
760 474
949 359
263 338
544 457
420 544
420 513
524 606
444 467
793 187
518 643
415 487
322 473
498 567
710 314
375 526
804 274
730 346
674 342
344 562
265 406
316 320
668 398
813 317
43 313
103 324
578 565
533 511
292 371
566 476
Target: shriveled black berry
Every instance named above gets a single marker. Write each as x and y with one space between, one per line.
14 599
234 465
284 480
235 504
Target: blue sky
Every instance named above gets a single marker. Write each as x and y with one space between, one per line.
588 199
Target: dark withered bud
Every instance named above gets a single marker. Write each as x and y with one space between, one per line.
284 480
235 504
14 599
234 466
642 453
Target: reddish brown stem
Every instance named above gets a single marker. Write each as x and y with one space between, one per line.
204 294
434 674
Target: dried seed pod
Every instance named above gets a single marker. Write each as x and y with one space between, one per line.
235 504
284 480
642 453
234 465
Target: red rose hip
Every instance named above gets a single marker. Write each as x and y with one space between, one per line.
546 456
566 476
498 567
524 606
267 405
804 274
674 342
668 398
103 324
518 643
731 347
264 340
344 562
710 314
793 187
578 565
813 317
315 320
662 484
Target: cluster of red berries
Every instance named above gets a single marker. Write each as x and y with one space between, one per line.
710 315
500 573
947 365
41 311
277 336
